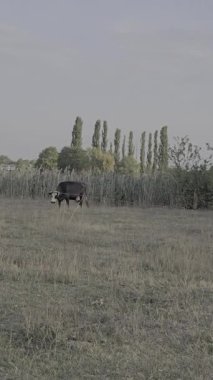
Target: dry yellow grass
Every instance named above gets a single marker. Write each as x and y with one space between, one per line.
105 293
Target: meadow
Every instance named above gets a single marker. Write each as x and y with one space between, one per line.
105 292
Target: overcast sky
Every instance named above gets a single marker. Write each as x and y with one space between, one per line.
139 64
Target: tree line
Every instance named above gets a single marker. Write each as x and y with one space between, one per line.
117 156
182 171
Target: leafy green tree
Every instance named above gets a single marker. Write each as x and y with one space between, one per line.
142 152
209 149
129 166
47 159
192 173
149 154
101 161
163 149
5 160
111 148
104 137
155 159
184 155
73 159
64 158
117 140
131 148
124 147
24 164
96 135
77 134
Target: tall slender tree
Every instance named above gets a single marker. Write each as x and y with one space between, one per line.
104 137
117 140
149 153
142 152
163 149
77 134
131 148
155 159
96 135
124 147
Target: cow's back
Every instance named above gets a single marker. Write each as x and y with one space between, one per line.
71 187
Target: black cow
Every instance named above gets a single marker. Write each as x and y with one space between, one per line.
69 190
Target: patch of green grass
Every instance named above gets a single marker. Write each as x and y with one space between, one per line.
105 293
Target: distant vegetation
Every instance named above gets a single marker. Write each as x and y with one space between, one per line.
171 175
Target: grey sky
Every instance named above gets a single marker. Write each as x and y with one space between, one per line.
139 64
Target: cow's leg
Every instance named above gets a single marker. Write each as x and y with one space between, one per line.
86 201
81 200
78 199
59 203
67 202
84 197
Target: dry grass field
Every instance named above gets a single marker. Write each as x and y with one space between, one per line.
105 293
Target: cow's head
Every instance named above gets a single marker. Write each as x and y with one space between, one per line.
54 196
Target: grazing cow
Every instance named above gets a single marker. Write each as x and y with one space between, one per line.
69 190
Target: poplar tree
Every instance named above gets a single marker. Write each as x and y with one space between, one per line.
117 139
96 135
124 147
104 137
149 153
131 148
142 152
155 159
77 134
163 149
